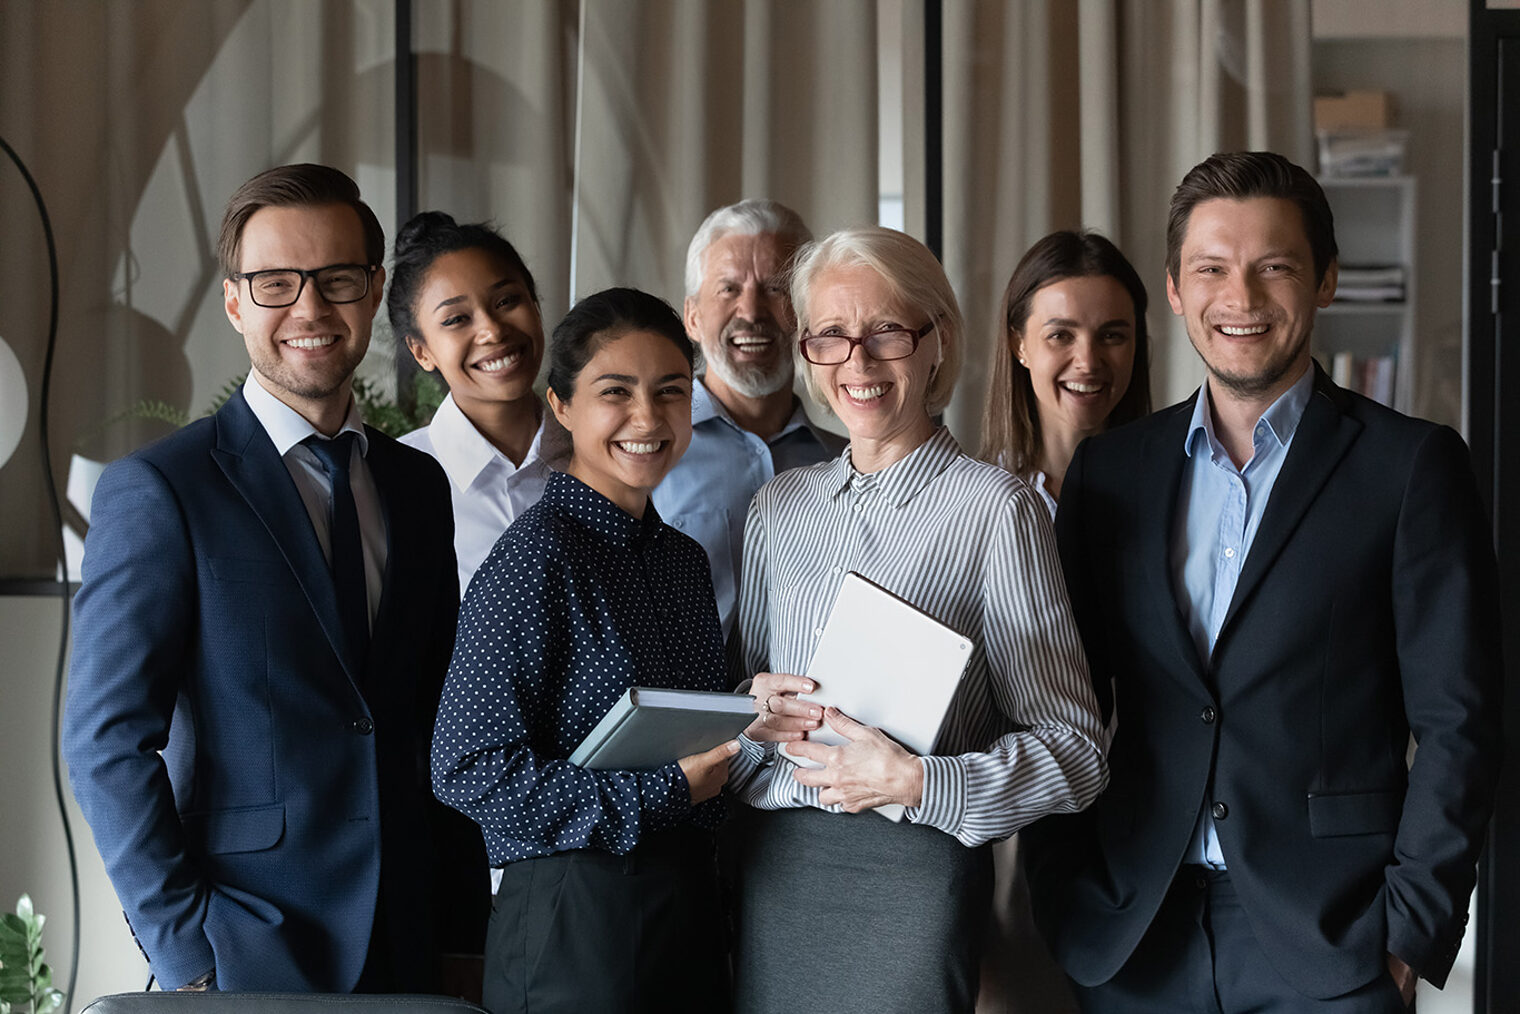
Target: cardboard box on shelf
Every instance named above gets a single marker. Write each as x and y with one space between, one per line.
1367 109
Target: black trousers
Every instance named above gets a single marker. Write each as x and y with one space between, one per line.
591 931
1201 957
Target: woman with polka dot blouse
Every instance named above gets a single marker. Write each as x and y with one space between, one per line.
608 894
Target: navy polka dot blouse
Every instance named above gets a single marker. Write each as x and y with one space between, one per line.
577 602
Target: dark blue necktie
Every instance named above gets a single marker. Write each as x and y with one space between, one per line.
343 536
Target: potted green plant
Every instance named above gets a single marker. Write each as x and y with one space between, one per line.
26 981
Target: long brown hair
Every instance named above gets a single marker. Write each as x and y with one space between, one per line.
1011 420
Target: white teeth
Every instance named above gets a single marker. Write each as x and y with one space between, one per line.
497 365
745 340
1077 388
312 343
866 393
1241 332
636 447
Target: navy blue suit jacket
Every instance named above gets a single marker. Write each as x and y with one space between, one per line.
1366 611
252 789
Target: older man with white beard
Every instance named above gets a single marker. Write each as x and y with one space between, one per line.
747 424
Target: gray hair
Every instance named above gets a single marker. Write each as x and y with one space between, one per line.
913 276
747 218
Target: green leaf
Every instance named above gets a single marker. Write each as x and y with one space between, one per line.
51 1001
13 922
24 907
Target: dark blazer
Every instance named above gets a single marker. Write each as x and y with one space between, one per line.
1367 609
253 789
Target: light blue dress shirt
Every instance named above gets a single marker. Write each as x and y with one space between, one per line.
1219 509
707 494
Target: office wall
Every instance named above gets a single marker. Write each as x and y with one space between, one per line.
33 857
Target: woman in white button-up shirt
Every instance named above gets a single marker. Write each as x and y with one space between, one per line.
839 909
465 303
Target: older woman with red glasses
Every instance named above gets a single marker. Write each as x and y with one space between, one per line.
841 909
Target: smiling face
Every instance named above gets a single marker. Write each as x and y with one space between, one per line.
1079 347
629 417
304 353
742 316
480 329
1246 290
882 404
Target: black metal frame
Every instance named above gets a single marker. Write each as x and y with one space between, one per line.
1493 329
406 174
934 122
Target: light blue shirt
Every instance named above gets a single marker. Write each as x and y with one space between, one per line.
1219 509
707 494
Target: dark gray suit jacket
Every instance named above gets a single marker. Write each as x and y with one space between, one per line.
1367 609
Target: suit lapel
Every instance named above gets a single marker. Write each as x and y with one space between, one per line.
247 457
1165 462
1323 436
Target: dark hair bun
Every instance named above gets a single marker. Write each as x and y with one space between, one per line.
421 227
427 236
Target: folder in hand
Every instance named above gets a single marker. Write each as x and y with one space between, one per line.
885 663
649 727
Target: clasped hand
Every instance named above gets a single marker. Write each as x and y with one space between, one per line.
869 770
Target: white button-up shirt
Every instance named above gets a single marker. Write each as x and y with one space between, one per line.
488 490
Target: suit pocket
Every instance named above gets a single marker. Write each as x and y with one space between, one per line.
1332 815
247 829
246 569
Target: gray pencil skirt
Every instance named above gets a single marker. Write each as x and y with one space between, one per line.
851 912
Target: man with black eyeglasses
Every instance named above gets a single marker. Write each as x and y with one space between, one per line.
262 632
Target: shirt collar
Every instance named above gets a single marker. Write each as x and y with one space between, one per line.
578 500
704 407
902 480
1282 416
287 427
464 452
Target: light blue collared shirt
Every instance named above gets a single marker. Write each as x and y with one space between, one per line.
707 494
1219 509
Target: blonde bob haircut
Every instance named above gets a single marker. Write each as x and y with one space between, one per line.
914 278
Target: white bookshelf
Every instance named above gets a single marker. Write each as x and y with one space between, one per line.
1374 227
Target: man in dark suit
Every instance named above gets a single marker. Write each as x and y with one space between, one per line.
266 618
1281 581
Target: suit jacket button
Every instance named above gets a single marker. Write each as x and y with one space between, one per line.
363 726
1219 811
1208 714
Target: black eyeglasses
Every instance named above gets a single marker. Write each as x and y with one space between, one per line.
273 288
883 346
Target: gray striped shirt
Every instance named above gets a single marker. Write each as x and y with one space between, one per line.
972 546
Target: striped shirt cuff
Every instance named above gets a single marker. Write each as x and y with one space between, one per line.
752 756
944 800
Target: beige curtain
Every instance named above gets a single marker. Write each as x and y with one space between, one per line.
1069 115
686 105
600 134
